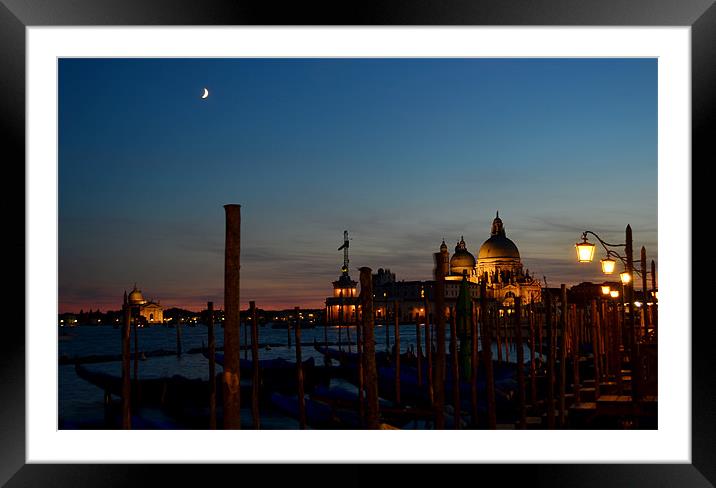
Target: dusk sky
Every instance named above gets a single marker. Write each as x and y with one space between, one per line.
400 152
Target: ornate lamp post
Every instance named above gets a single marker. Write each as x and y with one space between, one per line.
585 254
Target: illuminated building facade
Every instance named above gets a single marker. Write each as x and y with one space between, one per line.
150 312
498 264
341 307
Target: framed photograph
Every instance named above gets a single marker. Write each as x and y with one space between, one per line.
411 126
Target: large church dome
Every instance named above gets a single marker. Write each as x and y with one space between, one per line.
498 246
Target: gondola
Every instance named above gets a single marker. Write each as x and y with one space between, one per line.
279 374
412 393
173 391
318 414
347 358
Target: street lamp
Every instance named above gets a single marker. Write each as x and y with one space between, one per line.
585 250
614 293
608 265
606 289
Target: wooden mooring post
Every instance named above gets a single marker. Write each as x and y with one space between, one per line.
135 381
644 307
232 333
255 380
246 337
439 374
179 332
505 324
563 322
485 334
550 358
655 307
418 351
396 318
455 369
387 329
341 314
498 339
596 347
520 363
474 360
368 334
533 371
540 329
361 370
606 338
135 328
212 367
620 348
288 332
299 374
126 385
428 352
348 337
577 320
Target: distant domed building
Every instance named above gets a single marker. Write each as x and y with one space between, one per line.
151 312
498 264
135 297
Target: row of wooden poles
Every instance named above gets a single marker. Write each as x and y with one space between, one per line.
601 325
231 376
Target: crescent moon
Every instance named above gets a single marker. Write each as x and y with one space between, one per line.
206 93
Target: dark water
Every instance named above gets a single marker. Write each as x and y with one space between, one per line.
81 403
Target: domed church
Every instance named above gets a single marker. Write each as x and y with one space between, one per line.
498 264
150 312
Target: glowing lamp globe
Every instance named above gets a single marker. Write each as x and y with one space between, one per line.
625 277
608 265
614 294
585 251
606 289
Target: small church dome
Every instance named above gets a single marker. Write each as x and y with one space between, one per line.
462 258
135 297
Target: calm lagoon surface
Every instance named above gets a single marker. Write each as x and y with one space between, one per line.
80 404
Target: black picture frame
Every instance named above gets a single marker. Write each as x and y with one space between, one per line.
16 15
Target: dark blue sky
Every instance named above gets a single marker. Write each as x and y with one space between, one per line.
401 152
